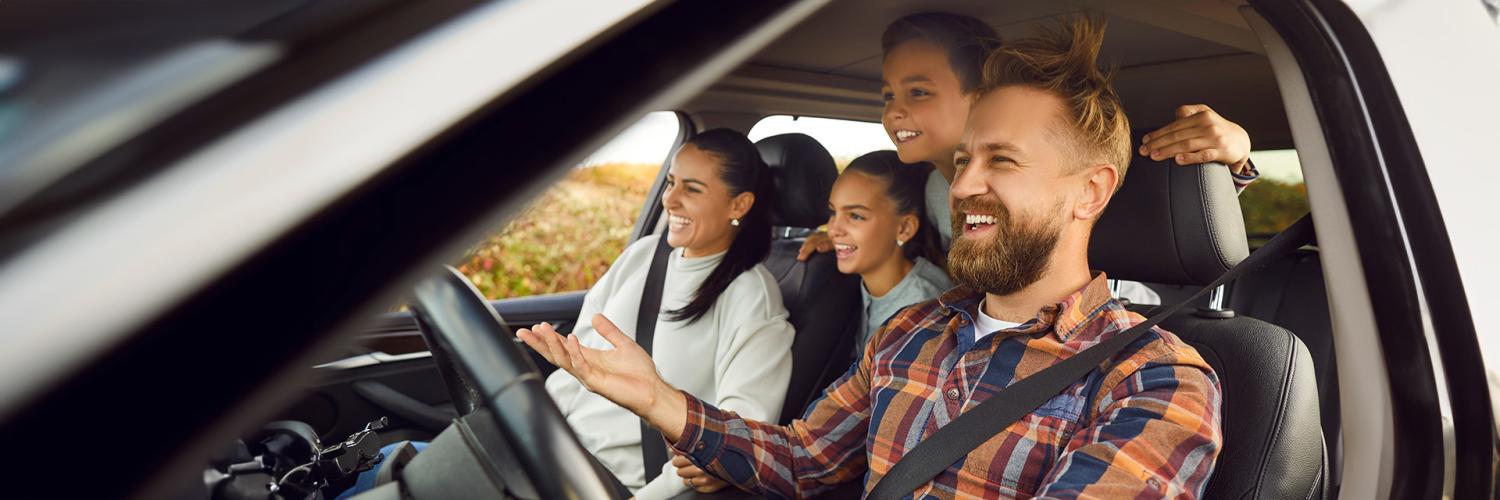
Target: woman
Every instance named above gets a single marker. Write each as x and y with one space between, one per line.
722 334
880 231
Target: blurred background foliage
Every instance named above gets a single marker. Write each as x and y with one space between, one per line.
1270 206
567 238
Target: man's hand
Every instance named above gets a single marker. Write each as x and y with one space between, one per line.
695 477
818 242
625 374
1199 135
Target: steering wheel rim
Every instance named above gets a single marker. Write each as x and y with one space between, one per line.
484 368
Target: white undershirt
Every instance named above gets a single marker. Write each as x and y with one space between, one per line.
984 325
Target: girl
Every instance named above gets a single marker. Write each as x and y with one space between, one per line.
722 334
880 231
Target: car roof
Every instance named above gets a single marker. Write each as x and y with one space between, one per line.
1180 53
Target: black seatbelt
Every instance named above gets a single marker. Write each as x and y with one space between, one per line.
653 446
944 447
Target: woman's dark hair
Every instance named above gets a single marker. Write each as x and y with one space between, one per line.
967 40
906 187
742 169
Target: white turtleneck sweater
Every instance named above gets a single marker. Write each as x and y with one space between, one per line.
737 356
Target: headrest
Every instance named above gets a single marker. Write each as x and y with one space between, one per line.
1171 224
803 173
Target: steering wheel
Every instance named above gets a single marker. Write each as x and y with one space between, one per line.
483 368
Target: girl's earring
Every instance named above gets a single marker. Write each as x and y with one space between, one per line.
899 242
734 222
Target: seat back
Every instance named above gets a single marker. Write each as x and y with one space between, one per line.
823 304
1273 441
1182 226
1290 293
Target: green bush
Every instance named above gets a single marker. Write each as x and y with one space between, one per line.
1270 206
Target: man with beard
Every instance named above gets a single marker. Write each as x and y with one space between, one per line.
1044 150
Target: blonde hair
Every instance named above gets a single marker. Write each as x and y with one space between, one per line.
1063 60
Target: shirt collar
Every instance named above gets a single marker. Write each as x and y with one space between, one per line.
1064 318
907 281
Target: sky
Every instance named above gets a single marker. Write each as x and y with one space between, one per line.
650 140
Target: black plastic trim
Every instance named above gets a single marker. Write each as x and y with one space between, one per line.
519 312
1368 137
425 416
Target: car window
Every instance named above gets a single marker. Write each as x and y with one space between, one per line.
845 139
570 234
1277 199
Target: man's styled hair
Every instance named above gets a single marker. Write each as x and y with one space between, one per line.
967 40
1063 61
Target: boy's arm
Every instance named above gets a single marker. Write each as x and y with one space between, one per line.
1201 135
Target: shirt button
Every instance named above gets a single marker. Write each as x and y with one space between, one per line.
953 393
700 446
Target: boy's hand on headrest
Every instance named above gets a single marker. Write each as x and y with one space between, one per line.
818 242
1199 135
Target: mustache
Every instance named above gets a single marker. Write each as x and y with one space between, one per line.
978 205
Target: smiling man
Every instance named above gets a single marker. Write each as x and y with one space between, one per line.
1044 150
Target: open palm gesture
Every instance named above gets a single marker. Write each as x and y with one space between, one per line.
625 374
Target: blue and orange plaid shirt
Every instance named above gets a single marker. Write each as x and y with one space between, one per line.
1145 425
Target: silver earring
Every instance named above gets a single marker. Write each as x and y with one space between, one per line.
899 242
734 222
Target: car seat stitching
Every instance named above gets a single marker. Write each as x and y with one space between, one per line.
1208 212
1281 407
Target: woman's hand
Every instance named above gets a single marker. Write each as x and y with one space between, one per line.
1199 135
818 242
625 374
696 478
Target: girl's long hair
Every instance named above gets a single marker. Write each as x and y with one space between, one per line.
742 169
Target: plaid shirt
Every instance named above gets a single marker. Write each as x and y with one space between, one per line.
1146 427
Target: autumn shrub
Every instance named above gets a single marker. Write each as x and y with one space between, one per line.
1270 206
567 238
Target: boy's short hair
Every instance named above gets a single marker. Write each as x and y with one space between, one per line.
967 40
1063 60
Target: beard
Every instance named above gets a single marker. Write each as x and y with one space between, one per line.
1015 258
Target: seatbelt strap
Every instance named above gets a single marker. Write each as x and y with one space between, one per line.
653 446
948 444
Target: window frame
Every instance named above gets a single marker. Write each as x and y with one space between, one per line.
646 224
1421 318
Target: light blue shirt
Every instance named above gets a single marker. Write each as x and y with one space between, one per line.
939 211
924 282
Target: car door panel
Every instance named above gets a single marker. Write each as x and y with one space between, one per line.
386 372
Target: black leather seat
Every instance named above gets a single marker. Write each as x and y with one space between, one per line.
1290 293
1182 226
823 303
